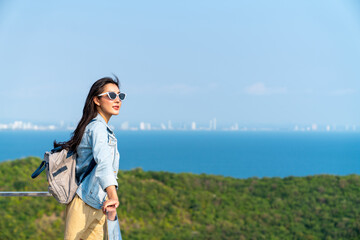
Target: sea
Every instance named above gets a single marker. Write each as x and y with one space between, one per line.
233 154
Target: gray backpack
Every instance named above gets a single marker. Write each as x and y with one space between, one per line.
61 173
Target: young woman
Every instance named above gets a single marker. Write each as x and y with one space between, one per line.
94 142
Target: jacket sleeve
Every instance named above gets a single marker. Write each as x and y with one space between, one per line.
103 156
114 232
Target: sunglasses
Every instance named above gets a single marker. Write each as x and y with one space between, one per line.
113 95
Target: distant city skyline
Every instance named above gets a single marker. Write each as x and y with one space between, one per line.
247 62
190 126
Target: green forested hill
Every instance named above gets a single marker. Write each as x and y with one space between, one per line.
162 205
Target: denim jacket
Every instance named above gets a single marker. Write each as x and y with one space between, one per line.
98 142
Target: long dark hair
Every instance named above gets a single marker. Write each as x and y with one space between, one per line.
89 112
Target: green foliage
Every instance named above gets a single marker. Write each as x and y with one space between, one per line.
162 205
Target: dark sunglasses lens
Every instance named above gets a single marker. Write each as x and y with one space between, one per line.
122 96
112 95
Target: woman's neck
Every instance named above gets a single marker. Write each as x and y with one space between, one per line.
106 118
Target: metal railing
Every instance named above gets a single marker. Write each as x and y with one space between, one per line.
25 194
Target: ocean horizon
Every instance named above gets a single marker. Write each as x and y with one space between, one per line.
234 154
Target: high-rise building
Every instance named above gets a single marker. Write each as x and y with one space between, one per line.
328 128
193 126
125 126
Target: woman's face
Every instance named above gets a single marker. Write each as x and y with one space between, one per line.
105 106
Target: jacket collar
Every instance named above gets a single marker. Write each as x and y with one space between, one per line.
101 119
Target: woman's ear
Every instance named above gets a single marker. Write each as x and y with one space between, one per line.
96 101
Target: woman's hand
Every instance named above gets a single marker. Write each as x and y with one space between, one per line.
111 213
112 203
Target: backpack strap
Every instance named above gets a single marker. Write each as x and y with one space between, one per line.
88 170
57 149
39 169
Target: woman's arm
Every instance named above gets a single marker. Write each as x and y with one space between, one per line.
103 156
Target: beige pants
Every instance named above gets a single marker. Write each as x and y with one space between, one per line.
84 222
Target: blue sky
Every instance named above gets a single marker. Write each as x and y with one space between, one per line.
251 62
